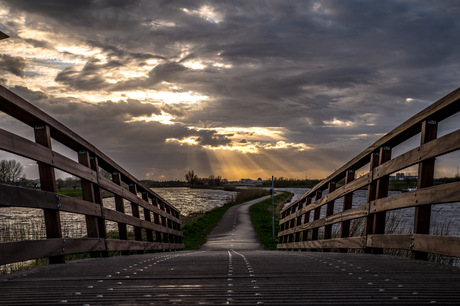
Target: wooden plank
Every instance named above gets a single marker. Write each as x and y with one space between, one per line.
443 245
53 247
307 226
431 149
446 193
131 245
350 214
381 241
335 243
15 144
24 197
345 243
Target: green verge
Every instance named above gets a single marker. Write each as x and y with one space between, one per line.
261 217
197 227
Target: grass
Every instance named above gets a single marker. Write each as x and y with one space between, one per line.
261 217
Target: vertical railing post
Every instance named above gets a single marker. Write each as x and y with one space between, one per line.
347 204
136 214
306 219
147 217
164 222
425 179
316 215
120 206
381 191
156 220
87 188
48 183
292 223
299 222
329 212
371 196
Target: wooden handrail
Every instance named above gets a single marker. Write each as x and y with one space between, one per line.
299 230
165 225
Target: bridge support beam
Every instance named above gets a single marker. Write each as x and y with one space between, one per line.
48 183
425 179
347 204
375 223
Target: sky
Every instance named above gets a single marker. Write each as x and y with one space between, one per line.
240 89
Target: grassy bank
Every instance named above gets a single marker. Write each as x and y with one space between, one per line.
261 217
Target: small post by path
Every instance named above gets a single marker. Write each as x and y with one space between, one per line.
273 207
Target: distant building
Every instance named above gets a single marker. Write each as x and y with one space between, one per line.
402 177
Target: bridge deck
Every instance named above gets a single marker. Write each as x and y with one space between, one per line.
233 269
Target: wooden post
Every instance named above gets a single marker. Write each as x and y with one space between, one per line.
378 224
425 179
87 188
329 212
306 219
164 222
292 223
316 215
135 212
120 206
371 196
147 217
48 183
156 220
299 222
347 204
98 200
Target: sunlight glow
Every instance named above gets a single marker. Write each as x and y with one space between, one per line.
339 123
163 119
207 13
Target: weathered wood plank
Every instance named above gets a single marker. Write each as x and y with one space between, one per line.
439 194
434 148
334 243
26 148
53 247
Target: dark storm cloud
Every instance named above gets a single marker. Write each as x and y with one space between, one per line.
88 78
14 65
290 64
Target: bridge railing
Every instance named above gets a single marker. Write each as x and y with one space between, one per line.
307 223
155 222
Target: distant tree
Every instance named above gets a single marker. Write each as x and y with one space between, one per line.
72 182
191 177
215 180
10 171
59 183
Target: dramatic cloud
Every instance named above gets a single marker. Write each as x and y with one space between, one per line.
231 88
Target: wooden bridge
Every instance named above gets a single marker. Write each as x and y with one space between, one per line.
232 267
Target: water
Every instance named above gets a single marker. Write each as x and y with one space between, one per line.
189 201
